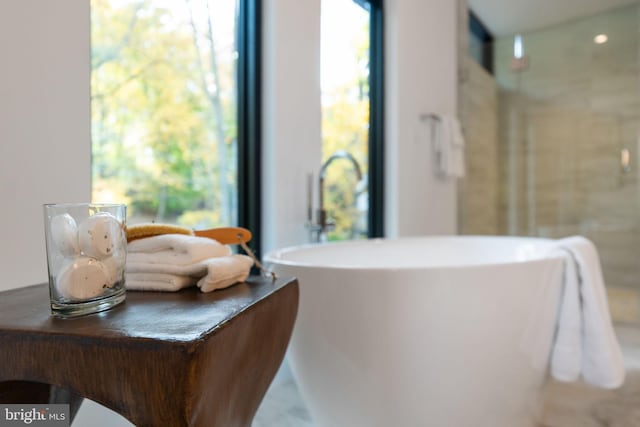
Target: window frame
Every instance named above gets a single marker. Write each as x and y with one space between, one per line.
478 29
249 120
376 119
248 114
250 123
376 169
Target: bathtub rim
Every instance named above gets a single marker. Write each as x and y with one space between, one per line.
271 257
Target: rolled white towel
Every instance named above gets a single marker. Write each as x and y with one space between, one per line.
175 249
158 282
225 271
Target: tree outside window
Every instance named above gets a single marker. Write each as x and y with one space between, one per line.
164 109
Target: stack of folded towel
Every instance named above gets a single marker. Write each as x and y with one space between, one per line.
171 262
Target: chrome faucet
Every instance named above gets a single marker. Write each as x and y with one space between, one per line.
323 224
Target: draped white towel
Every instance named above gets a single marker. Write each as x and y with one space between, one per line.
585 342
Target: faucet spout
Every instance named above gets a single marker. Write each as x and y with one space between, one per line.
341 155
323 224
323 170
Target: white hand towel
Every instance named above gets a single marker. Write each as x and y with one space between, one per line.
225 271
176 249
585 342
456 159
157 282
440 134
148 263
449 146
210 274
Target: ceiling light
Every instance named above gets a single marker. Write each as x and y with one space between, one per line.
600 39
517 46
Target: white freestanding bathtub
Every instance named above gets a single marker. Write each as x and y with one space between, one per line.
434 331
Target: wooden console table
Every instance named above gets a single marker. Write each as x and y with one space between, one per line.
159 359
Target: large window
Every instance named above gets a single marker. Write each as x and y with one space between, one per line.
351 83
175 86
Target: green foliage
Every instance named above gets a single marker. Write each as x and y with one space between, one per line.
200 219
164 116
157 143
345 126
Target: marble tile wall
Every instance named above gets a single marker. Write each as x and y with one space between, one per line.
478 194
477 109
562 124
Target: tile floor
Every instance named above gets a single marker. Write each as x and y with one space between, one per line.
566 404
579 405
282 407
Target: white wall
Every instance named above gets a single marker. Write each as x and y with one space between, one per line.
45 123
44 126
45 145
421 77
291 117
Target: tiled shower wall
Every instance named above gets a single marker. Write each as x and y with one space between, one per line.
478 193
562 124
477 104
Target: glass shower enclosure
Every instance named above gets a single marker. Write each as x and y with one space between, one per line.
559 123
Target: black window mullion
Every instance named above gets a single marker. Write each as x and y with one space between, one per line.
480 31
249 121
376 121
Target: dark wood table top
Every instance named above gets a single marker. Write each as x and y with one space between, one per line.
217 351
184 316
